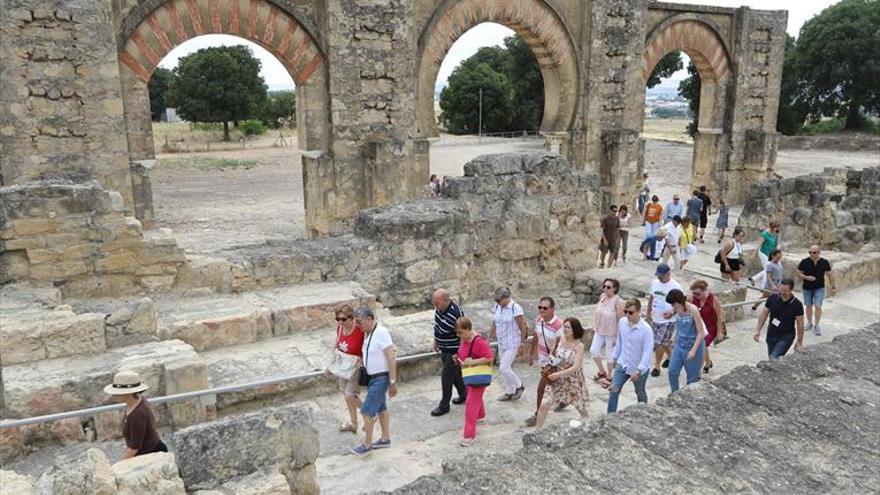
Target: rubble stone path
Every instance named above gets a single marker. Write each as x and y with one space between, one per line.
803 417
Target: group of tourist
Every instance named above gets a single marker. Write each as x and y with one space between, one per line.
676 333
672 232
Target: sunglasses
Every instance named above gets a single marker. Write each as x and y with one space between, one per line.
814 252
607 287
543 308
630 311
344 318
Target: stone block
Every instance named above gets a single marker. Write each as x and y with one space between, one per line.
153 473
186 376
88 472
121 262
25 227
279 439
211 333
157 283
422 272
518 249
45 334
495 164
12 483
131 324
213 273
259 483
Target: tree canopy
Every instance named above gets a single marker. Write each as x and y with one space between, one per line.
280 105
838 62
218 84
513 90
157 87
668 65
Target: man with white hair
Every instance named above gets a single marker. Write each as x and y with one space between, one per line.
446 342
379 364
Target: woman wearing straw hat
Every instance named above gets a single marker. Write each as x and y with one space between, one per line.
138 424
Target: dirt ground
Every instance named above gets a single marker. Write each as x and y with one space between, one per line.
211 208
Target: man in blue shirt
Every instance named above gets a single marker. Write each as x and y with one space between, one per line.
673 209
632 353
446 342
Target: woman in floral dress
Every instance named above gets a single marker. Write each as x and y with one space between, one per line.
567 383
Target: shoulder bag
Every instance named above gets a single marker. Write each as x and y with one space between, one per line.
341 364
476 376
364 379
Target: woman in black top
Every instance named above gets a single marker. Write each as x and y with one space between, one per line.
138 424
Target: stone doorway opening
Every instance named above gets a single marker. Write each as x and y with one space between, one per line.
540 29
706 140
237 204
216 194
488 98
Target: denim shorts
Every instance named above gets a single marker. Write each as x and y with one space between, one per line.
814 297
375 401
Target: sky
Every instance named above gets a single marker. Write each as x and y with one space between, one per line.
487 34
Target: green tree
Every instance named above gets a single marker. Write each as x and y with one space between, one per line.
157 88
279 105
668 65
459 100
218 84
792 113
528 84
838 62
689 89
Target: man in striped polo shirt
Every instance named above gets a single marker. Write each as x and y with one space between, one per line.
446 342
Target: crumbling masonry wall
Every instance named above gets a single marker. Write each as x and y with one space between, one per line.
73 88
837 209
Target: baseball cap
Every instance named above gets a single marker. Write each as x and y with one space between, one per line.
662 268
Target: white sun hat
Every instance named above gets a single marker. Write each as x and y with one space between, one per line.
126 382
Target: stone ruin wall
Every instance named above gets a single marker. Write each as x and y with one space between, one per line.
837 208
72 85
527 220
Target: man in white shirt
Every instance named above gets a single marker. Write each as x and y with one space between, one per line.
548 330
380 365
632 354
674 209
673 237
662 316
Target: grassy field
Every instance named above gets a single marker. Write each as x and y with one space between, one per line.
185 138
208 163
667 129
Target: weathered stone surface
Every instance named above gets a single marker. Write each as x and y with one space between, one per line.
131 324
153 473
828 208
32 335
12 483
89 472
747 420
258 483
282 438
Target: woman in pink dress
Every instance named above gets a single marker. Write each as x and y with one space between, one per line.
713 317
473 350
608 312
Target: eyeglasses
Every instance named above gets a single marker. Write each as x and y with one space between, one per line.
543 308
344 318
631 312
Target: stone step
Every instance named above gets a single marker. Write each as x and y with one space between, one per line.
221 320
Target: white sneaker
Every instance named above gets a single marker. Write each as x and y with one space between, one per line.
808 326
817 330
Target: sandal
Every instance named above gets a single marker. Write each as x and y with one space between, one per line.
600 377
348 427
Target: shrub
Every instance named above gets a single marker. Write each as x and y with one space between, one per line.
252 127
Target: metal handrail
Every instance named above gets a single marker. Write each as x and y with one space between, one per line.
226 389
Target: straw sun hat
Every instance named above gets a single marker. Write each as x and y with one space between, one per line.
126 382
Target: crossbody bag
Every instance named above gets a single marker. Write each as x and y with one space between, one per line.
364 379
